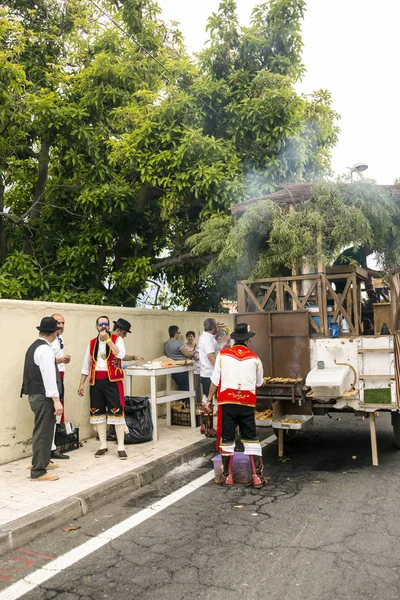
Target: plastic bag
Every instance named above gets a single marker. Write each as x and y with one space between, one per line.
61 434
138 420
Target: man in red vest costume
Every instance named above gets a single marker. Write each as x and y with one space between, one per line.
102 363
237 374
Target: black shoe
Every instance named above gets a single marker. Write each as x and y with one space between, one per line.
56 454
101 452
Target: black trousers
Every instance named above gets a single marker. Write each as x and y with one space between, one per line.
43 431
205 382
234 415
182 381
104 397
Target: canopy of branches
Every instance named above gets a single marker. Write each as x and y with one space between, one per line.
269 240
109 162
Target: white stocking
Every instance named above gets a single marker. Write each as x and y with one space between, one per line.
102 431
120 431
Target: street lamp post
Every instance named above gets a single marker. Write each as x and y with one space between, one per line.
357 168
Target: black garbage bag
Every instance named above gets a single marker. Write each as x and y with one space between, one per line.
138 420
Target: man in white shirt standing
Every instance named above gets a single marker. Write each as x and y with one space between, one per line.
61 360
102 363
41 382
208 350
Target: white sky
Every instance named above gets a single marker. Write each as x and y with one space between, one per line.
351 48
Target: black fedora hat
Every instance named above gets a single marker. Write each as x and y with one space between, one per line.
123 324
48 325
242 332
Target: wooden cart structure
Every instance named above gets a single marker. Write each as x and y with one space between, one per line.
293 317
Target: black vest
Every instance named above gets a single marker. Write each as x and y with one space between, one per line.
32 381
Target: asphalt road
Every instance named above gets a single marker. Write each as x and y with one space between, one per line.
325 527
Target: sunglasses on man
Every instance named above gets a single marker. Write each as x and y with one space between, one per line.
103 324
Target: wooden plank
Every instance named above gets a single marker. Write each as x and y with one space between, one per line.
374 446
313 323
268 295
338 270
323 319
342 310
294 296
271 279
253 298
269 328
375 406
341 300
281 443
350 394
395 296
290 335
310 291
241 298
320 253
356 307
280 304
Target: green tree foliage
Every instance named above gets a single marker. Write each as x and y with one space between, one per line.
267 240
108 164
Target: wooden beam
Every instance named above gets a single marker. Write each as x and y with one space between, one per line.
342 310
281 442
374 445
241 298
253 298
268 295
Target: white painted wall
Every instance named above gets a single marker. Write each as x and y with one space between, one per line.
18 321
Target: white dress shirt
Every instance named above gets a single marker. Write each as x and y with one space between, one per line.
58 349
43 357
101 363
207 345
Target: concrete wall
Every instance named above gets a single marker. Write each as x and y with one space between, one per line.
18 320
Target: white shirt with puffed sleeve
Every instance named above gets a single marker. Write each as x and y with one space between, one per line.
101 363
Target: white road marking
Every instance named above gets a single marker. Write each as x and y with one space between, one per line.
56 566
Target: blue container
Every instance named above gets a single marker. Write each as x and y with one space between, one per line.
334 330
317 321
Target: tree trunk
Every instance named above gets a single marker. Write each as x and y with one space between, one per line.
43 173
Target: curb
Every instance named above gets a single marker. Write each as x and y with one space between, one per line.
27 528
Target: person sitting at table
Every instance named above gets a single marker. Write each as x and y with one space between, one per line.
174 348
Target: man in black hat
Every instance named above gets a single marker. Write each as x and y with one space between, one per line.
41 382
237 374
102 363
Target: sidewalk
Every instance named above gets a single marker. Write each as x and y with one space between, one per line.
28 508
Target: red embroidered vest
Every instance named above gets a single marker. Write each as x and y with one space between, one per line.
114 368
231 396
